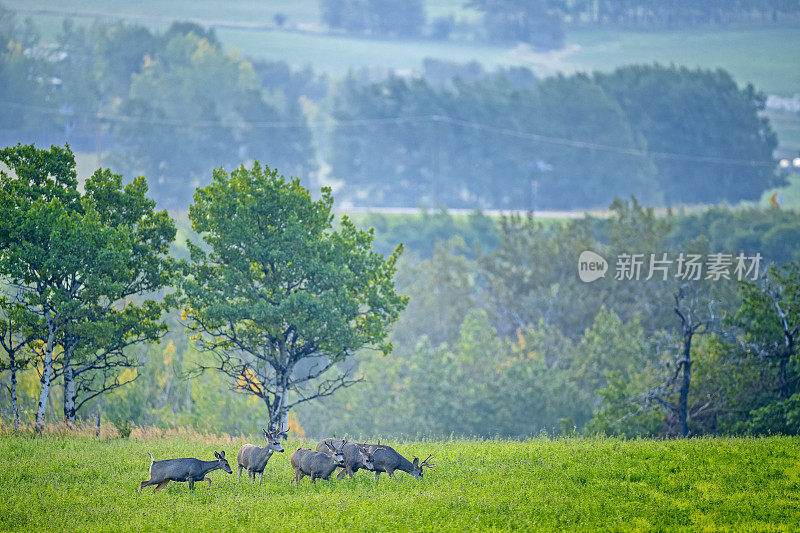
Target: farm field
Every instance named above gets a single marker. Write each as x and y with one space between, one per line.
79 484
767 57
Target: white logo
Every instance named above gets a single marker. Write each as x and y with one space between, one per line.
591 266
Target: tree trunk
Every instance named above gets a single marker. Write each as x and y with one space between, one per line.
279 419
783 383
14 404
47 372
69 387
683 402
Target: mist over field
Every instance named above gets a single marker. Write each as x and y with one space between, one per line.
537 239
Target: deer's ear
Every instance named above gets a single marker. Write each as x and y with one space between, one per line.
416 461
216 455
222 454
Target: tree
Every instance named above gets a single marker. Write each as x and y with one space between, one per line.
695 319
40 202
769 319
76 261
197 106
538 22
279 298
114 304
15 337
487 143
24 77
378 17
715 128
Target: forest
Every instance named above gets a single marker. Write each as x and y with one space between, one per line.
481 325
494 332
174 105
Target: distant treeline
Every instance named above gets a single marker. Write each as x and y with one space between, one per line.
542 23
173 105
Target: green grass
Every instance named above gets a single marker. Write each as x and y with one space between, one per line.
78 484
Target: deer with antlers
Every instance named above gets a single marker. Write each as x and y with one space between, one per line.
254 458
356 456
386 459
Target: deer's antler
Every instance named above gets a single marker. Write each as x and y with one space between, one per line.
426 463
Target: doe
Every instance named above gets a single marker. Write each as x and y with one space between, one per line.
183 470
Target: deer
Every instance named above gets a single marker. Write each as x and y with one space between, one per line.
316 464
254 458
183 470
356 456
386 459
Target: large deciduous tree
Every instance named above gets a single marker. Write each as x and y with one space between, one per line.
277 297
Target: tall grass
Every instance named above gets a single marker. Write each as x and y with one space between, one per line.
78 483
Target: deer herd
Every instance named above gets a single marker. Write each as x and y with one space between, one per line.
330 454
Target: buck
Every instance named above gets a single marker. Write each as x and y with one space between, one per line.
254 458
356 456
386 459
316 464
183 470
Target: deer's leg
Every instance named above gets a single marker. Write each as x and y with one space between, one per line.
341 474
377 474
145 483
161 485
391 473
260 475
191 483
240 473
209 481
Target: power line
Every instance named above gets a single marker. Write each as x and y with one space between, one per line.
536 137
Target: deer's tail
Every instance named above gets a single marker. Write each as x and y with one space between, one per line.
151 458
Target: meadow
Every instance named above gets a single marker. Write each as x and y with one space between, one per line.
735 484
766 57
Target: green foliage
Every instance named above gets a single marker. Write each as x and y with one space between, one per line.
77 259
443 145
201 107
777 418
380 18
539 485
537 22
770 232
123 428
278 286
647 95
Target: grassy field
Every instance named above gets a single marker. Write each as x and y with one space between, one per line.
78 484
767 57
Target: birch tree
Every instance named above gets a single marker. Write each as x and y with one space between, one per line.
75 261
